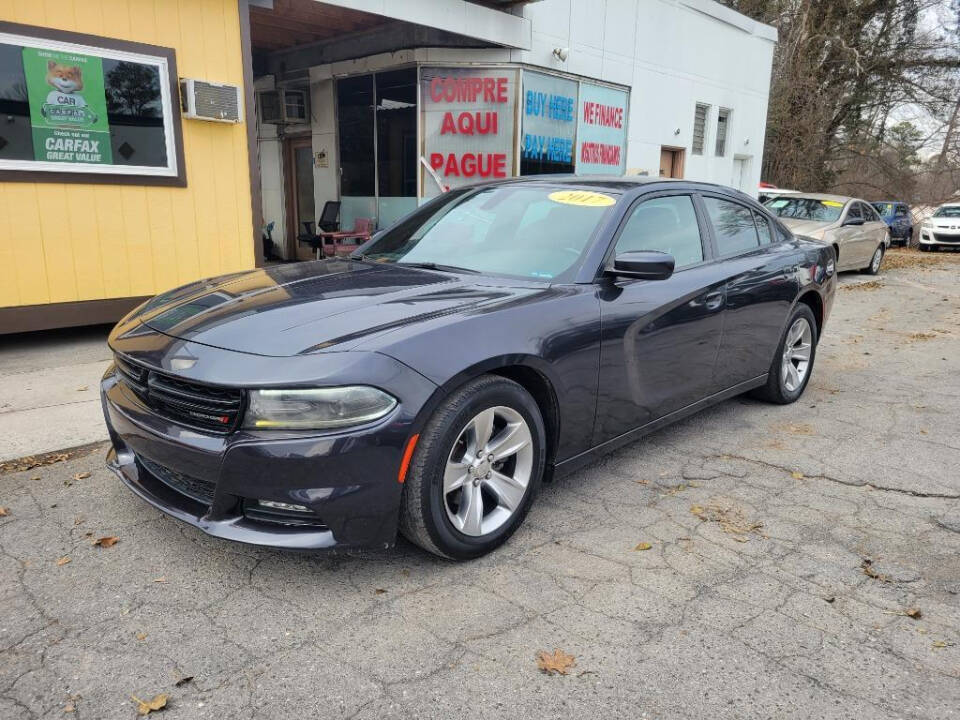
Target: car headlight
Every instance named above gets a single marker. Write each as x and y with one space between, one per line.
316 408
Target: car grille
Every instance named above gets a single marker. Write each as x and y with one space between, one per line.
197 405
940 237
193 487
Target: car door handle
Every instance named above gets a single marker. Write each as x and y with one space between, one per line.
713 300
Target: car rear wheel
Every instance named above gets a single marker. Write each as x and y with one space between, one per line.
874 267
477 467
793 363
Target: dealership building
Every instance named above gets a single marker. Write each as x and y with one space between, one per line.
144 145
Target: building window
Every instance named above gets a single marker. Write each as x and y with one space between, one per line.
723 125
700 128
92 108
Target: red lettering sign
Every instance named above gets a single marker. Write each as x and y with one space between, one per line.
604 115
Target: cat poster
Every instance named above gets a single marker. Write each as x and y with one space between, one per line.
68 107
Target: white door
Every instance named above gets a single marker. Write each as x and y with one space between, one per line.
739 173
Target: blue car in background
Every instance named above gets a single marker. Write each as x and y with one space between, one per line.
897 216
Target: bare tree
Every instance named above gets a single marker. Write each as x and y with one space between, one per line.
844 72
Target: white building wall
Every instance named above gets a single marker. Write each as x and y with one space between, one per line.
673 54
270 150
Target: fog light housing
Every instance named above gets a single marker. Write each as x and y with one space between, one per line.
289 507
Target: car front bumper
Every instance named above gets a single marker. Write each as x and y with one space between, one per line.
348 480
944 238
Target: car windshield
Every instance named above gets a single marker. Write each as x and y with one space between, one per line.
523 231
886 210
948 211
801 208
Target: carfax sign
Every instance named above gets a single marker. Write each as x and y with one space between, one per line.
68 107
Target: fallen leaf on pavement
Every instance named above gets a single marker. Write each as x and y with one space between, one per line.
797 475
83 388
914 613
730 520
160 580
146 707
81 476
69 707
867 567
557 663
184 680
643 546
64 560
379 591
4 511
108 541
141 635
942 644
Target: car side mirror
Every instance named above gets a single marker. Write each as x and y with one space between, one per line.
643 265
853 221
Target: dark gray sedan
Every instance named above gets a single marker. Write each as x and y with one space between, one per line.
497 336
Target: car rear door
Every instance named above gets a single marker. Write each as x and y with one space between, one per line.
659 337
760 269
877 229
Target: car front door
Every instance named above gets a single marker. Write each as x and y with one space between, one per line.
659 338
761 271
850 238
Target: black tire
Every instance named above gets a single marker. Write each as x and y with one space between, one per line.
775 391
874 267
924 247
423 513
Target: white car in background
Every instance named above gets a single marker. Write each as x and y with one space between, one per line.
942 229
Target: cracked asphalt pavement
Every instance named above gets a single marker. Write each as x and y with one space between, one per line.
804 563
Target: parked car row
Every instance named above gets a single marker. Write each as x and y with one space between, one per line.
940 229
854 228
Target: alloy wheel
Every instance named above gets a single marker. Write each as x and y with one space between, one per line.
875 263
796 355
488 471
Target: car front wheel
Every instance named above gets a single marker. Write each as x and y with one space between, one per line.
793 363
475 471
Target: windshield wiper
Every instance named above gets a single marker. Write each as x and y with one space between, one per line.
439 266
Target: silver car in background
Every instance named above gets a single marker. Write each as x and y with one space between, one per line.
858 234
942 229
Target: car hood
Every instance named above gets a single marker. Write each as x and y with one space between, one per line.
944 223
314 307
809 228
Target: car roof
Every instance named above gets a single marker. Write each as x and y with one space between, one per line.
825 196
888 202
621 183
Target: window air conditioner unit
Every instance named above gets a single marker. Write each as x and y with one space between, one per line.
283 107
203 100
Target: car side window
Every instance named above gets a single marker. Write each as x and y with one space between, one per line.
733 226
901 211
763 228
869 214
853 212
666 224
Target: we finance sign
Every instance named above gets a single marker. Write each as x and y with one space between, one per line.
602 131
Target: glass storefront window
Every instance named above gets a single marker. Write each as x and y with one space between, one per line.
377 123
396 113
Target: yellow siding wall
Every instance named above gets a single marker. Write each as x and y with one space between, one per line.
61 242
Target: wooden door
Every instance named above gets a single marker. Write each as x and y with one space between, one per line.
298 192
